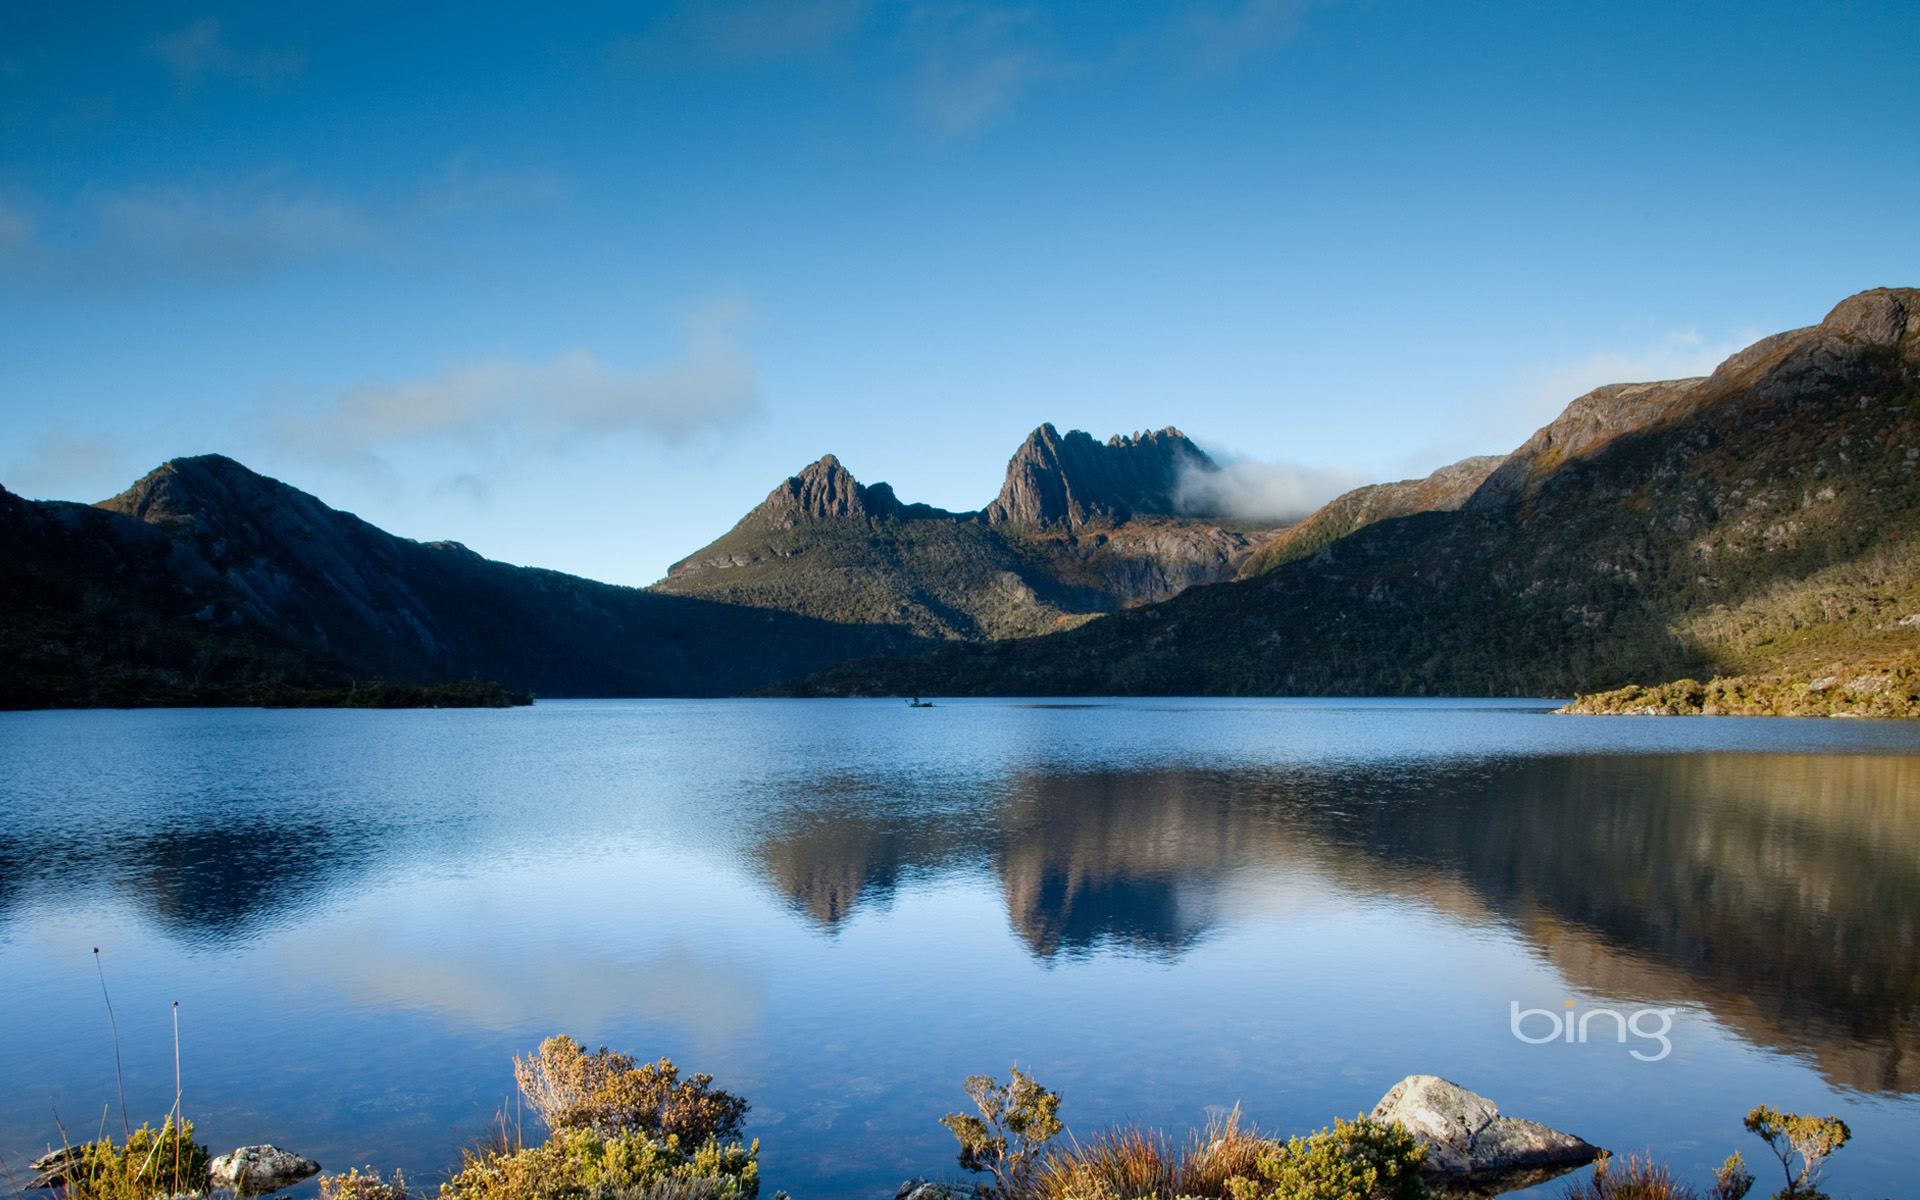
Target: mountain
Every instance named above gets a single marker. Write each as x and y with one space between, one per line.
205 579
1443 491
1076 481
1761 518
1079 528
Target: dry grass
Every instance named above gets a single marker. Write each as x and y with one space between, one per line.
1130 1163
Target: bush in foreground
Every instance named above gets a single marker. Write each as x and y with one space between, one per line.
612 1093
152 1162
1362 1159
580 1164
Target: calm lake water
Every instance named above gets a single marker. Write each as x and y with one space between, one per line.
840 909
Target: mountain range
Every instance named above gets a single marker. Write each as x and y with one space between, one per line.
1761 516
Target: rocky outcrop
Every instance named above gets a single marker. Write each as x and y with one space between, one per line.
261 1170
919 1188
1827 690
1443 491
1072 480
827 491
1469 1143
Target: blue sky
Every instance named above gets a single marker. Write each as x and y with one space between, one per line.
577 286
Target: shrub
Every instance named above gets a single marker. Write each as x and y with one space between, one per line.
581 1164
1016 1119
611 1093
1361 1159
1644 1179
355 1186
1131 1163
1732 1180
1640 1179
1797 1135
153 1162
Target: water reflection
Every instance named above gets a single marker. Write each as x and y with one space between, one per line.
203 882
1781 893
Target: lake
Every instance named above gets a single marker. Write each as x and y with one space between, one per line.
840 909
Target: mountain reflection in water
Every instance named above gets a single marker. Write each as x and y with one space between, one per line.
1781 893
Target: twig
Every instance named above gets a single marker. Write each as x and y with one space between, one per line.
125 1122
179 1117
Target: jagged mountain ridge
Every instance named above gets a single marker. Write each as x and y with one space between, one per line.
1747 521
1079 528
206 574
1075 481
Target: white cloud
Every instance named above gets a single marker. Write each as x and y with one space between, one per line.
223 232
1536 394
543 404
1261 491
201 49
1678 354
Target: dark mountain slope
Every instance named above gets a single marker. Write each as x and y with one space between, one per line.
207 574
1080 529
1443 491
1752 519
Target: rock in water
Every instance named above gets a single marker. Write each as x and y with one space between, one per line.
918 1188
258 1170
51 1169
1469 1143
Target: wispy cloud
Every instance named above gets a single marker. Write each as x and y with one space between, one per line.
240 229
1677 354
750 30
201 49
467 186
1247 490
976 61
540 404
16 229
1223 37
1536 394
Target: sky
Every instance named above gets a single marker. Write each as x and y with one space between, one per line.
578 285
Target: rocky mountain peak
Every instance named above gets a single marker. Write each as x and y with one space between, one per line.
1880 316
1072 480
825 491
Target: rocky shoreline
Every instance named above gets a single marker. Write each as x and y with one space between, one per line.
1887 689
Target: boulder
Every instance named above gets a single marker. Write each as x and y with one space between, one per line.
918 1188
258 1170
1471 1148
